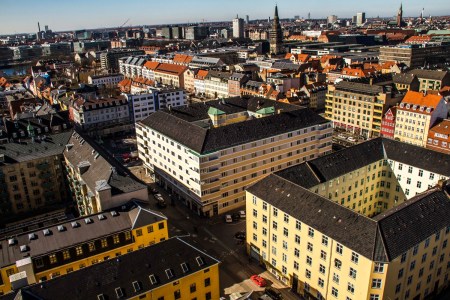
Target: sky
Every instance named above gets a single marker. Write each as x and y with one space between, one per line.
19 16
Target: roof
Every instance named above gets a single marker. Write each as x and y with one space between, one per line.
417 98
382 238
429 74
137 266
151 65
126 218
442 127
171 69
358 87
403 78
182 58
182 123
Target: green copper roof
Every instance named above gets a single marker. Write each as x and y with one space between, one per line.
266 110
215 112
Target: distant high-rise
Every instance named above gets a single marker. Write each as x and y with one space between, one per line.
276 35
309 16
238 27
400 16
360 18
247 18
332 19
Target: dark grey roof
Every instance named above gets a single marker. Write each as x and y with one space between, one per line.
403 78
27 150
382 238
357 87
105 277
178 125
129 217
429 74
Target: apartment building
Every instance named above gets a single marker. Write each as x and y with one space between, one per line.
97 180
109 59
199 82
108 80
148 70
206 154
172 269
132 66
31 176
326 248
431 79
317 93
388 123
170 74
408 82
439 137
44 254
414 55
99 113
216 84
416 114
358 107
235 82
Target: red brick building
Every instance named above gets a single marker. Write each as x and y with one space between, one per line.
388 123
439 137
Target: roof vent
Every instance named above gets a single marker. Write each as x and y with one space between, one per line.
136 286
61 228
23 248
88 220
152 279
199 261
75 224
32 236
114 213
169 273
119 292
184 267
12 242
101 217
101 297
47 232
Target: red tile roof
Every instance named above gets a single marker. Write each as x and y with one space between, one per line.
171 69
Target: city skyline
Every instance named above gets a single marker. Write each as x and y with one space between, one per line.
97 15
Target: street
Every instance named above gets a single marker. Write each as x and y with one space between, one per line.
216 238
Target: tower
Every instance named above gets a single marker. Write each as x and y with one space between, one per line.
400 16
276 35
238 28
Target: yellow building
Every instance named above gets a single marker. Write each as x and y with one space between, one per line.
172 269
416 114
359 107
351 224
431 79
38 256
207 154
31 176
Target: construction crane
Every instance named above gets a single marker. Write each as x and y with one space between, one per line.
124 23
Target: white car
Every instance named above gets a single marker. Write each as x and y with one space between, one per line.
351 139
242 214
341 136
228 219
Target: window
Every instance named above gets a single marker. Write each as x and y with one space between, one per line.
297 239
193 288
398 288
52 258
324 240
116 239
207 282
339 248
311 232
376 283
308 260
308 273
320 282
296 252
296 265
298 225
127 235
286 218
374 297
350 287
337 264
310 247
139 232
104 243
352 273
334 292
66 254
355 257
177 294
323 255
285 232
336 277
275 212
412 265
400 273
322 269
79 250
379 268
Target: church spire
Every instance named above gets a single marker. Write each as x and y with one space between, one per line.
276 12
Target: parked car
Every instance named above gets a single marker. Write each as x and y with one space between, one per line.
242 214
258 280
341 136
228 219
273 293
236 217
351 139
240 235
154 191
158 197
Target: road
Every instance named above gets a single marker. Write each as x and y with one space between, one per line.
216 238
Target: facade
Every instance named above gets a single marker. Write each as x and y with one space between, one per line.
238 28
70 246
414 55
132 66
360 18
416 114
31 175
325 250
217 148
109 80
97 181
170 74
196 32
431 79
276 35
388 123
100 113
406 82
359 107
56 49
235 82
317 93
439 137
109 60
171 269
216 84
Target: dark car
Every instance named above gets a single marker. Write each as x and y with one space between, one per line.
154 191
236 217
273 293
240 235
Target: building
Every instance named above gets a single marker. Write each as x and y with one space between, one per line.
172 268
358 107
170 74
439 137
388 123
360 18
400 16
219 147
276 35
431 79
109 60
316 92
332 19
56 49
132 66
415 56
238 28
108 80
32 178
71 246
97 180
216 84
235 82
323 249
406 82
196 33
416 114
